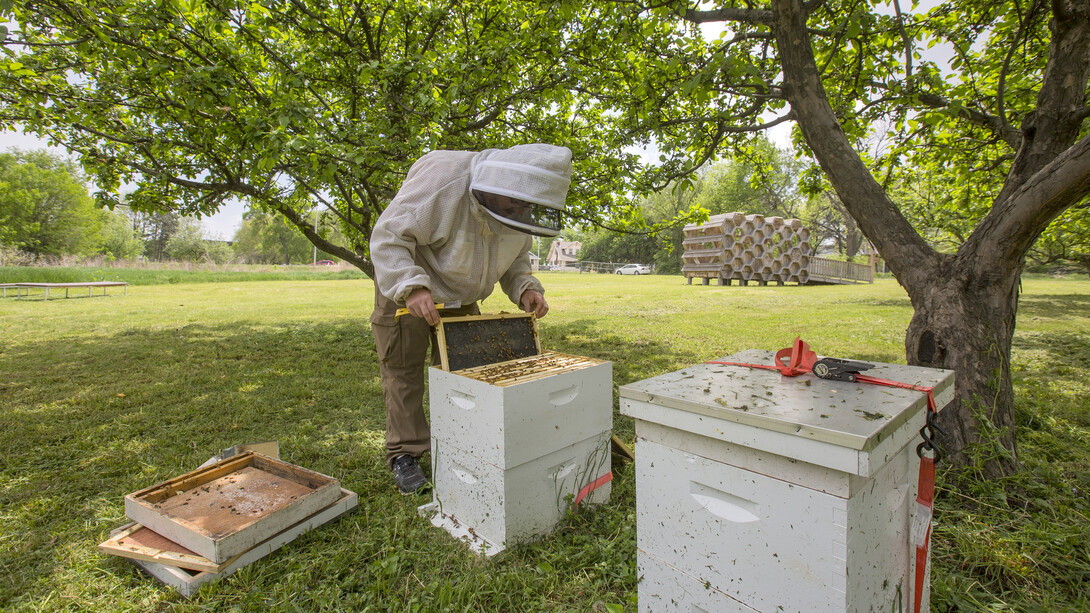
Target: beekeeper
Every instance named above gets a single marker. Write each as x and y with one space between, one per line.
460 222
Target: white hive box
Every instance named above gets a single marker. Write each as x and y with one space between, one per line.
758 492
514 442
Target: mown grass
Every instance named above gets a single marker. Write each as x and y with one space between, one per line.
104 396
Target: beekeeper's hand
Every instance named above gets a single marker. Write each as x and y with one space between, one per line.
420 304
533 302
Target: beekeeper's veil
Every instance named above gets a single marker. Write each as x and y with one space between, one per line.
532 182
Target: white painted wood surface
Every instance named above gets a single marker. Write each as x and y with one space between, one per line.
762 492
665 589
845 426
509 425
498 507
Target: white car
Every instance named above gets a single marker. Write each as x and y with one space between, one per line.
632 269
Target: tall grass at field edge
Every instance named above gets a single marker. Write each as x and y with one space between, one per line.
173 275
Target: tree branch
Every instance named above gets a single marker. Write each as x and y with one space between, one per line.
1009 134
904 39
1053 126
1015 223
316 239
751 16
24 43
878 217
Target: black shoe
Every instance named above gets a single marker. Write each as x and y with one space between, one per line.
408 475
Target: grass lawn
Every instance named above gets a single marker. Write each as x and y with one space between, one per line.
100 397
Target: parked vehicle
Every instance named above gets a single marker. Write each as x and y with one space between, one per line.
633 269
324 263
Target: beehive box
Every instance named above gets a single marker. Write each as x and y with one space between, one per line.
514 441
494 507
227 508
761 492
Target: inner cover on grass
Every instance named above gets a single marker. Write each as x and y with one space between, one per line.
478 340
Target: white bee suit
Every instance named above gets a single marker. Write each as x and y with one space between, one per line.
436 235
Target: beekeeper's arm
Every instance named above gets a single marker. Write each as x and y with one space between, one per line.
523 288
420 214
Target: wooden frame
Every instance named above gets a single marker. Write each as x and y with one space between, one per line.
490 350
137 542
189 581
522 370
211 512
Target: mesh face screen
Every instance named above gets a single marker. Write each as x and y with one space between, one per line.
525 216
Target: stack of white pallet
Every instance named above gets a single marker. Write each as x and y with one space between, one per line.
739 247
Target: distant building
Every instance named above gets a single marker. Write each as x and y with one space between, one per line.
534 260
563 254
873 257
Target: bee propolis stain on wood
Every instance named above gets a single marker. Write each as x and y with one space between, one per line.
478 340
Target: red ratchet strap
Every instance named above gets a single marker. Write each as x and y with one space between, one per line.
590 487
800 359
921 525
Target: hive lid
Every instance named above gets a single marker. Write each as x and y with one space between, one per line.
852 415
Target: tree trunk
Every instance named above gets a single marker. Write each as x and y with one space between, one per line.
854 242
964 305
1085 261
964 321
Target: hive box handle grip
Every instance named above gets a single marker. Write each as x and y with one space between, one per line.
464 474
462 400
724 505
564 396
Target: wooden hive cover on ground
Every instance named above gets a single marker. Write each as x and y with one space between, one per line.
222 510
185 571
478 340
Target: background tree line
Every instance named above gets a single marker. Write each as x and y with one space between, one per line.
46 211
771 181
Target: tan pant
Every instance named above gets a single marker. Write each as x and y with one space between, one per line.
402 346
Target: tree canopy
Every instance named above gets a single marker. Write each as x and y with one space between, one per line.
44 206
288 103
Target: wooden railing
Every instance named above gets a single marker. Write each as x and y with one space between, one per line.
823 270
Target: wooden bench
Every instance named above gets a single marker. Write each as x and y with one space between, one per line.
6 286
90 285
